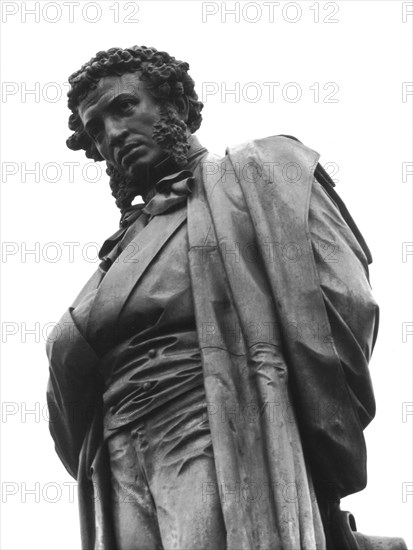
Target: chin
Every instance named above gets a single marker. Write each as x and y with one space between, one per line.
138 169
141 168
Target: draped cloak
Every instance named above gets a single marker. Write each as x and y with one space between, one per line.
286 325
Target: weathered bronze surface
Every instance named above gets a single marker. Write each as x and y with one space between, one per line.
209 386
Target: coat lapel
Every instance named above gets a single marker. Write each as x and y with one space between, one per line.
217 320
126 272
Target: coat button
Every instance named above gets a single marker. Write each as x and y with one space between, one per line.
146 386
152 353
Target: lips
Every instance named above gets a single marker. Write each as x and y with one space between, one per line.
123 153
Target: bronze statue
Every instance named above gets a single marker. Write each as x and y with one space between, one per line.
209 386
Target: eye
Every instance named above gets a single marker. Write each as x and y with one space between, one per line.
126 105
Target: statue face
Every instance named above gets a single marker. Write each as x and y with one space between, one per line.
119 116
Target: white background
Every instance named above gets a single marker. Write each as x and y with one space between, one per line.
366 133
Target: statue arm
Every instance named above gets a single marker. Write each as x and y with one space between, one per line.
73 391
342 265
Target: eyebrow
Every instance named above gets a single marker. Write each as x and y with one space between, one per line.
117 99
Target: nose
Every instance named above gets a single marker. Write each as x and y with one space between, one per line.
116 132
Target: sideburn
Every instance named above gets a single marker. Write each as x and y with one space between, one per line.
170 134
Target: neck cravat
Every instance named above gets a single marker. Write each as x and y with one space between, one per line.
170 191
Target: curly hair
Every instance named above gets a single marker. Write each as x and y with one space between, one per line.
167 79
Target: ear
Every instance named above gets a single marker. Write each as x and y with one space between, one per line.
182 105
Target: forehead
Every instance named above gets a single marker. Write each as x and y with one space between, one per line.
109 88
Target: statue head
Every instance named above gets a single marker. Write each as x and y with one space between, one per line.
133 108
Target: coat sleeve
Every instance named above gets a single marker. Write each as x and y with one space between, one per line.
353 314
73 390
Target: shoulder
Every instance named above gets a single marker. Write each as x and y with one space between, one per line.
280 149
282 159
248 168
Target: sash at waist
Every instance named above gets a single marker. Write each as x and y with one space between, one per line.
141 376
